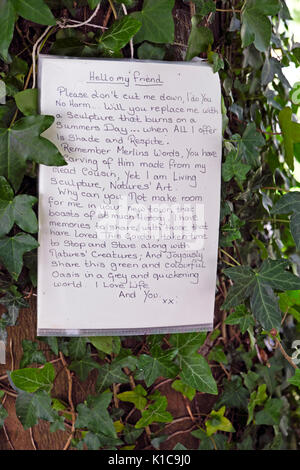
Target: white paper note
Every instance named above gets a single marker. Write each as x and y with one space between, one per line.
129 228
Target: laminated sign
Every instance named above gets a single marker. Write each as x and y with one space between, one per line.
128 233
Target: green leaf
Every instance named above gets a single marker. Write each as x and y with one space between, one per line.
217 354
148 51
23 142
256 26
16 210
155 413
204 7
136 396
93 415
109 374
102 343
58 424
273 273
256 398
27 101
216 61
264 306
218 422
290 203
120 33
234 168
234 395
196 373
157 22
240 317
295 380
131 434
12 301
7 24
93 3
291 134
250 144
12 250
186 390
31 354
200 39
32 379
77 348
3 415
158 364
271 413
30 407
34 10
187 342
83 367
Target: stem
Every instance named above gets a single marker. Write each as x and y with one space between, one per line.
228 10
113 9
229 256
284 353
270 220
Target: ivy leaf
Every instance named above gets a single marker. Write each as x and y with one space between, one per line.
291 134
94 416
22 142
3 415
155 413
136 396
30 407
12 250
264 305
234 395
204 7
16 210
256 398
271 413
13 301
120 33
186 390
200 38
218 422
187 342
273 273
32 379
295 380
109 374
158 364
102 343
240 317
131 434
7 25
31 354
256 26
250 143
234 168
148 51
259 286
93 3
157 22
290 203
217 354
77 348
34 10
83 367
58 424
196 373
27 101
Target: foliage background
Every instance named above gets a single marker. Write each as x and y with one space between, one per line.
234 388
